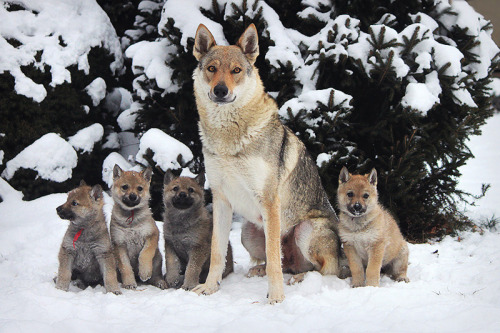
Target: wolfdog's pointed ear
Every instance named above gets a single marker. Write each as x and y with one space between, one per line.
96 192
169 176
200 179
372 177
147 174
117 171
249 43
203 42
83 183
344 175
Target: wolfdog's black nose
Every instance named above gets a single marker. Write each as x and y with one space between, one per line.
182 195
220 91
132 197
58 209
357 206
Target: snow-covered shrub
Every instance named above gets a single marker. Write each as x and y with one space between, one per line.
394 85
418 73
58 60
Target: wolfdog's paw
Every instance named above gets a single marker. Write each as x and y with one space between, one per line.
206 289
297 278
276 297
145 271
259 270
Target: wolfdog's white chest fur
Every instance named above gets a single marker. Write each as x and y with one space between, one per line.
240 180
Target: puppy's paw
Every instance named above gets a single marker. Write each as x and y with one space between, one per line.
173 281
372 282
62 286
403 279
130 286
259 270
357 283
145 271
189 286
161 284
297 278
114 291
206 288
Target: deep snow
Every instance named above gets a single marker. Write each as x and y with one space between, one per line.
454 283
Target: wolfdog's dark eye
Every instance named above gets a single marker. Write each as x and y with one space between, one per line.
366 195
124 187
74 203
190 190
139 188
350 194
176 188
236 70
211 69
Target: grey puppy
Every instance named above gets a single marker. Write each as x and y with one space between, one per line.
133 230
86 254
187 229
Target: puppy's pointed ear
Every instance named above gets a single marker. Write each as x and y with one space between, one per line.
147 174
83 183
169 176
203 42
117 172
200 179
96 192
372 177
249 43
344 176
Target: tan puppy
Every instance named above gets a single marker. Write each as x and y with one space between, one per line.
86 254
133 230
370 235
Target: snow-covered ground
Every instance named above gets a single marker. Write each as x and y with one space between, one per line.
454 283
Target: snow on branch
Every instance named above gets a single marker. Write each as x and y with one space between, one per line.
53 33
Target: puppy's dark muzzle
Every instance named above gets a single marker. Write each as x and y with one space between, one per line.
182 201
357 209
131 200
65 214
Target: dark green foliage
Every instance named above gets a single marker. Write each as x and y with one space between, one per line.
417 157
60 112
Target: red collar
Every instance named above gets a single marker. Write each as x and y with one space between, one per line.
131 217
77 235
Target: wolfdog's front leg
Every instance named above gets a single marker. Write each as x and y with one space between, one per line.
272 228
223 215
64 273
146 256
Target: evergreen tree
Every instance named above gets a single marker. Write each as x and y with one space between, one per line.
417 151
66 109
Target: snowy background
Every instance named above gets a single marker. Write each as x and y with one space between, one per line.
454 283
